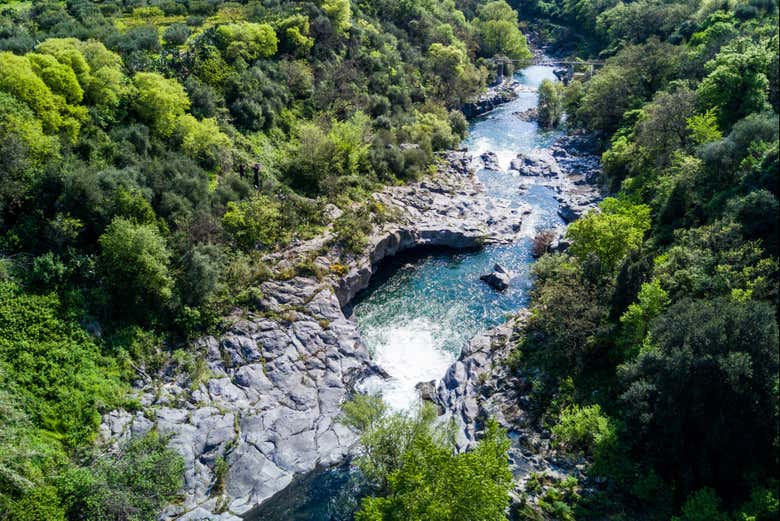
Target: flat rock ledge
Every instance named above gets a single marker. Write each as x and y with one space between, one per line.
279 374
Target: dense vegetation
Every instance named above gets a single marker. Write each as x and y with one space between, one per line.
152 153
657 331
412 470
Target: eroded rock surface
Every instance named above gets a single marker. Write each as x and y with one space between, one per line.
480 385
278 374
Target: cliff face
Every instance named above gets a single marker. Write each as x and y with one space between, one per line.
278 374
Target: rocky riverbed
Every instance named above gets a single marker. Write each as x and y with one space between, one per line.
279 373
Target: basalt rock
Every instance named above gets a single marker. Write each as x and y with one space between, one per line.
279 373
498 279
490 161
481 385
495 96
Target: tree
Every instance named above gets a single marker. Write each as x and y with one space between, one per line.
611 234
550 103
498 32
99 72
18 78
204 141
415 473
561 293
59 77
134 261
702 401
256 222
340 14
736 84
246 40
26 150
159 102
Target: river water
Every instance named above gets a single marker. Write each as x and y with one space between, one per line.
422 308
416 318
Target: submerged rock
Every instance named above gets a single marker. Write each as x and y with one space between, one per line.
498 279
530 115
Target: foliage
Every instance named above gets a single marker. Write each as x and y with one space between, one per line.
247 41
54 366
550 104
132 484
499 34
706 383
416 474
585 429
135 260
159 101
257 221
649 312
611 234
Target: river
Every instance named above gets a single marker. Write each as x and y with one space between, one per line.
423 307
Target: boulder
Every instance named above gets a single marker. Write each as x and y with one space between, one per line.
490 160
498 279
426 390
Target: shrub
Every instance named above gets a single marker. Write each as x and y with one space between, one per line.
585 429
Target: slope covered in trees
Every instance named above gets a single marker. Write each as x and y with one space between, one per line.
658 327
152 152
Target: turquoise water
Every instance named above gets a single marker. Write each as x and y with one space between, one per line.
423 307
416 318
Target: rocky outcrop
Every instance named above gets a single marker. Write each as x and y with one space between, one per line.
481 385
530 115
570 167
278 374
495 96
490 161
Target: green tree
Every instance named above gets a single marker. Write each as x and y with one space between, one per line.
18 78
340 14
550 103
159 101
585 429
736 84
417 475
134 261
610 234
255 222
499 33
246 40
709 382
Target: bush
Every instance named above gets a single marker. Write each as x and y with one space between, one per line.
133 484
134 261
415 473
585 429
256 222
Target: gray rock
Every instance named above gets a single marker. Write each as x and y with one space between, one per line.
271 408
499 279
490 161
